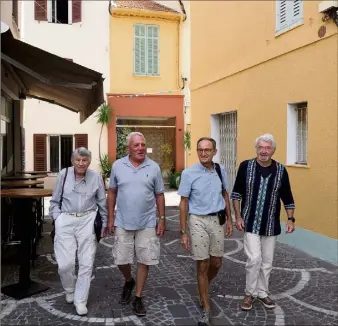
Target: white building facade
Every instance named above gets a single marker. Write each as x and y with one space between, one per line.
79 31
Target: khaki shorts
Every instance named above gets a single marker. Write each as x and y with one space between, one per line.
207 236
144 242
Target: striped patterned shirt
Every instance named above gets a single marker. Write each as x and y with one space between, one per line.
261 194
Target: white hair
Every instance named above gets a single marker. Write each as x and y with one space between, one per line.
134 133
82 151
267 138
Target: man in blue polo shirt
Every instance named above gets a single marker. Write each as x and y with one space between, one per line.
136 186
204 197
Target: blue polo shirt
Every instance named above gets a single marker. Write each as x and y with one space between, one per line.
136 189
203 187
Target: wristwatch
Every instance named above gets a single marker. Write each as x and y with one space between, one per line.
162 217
292 219
182 232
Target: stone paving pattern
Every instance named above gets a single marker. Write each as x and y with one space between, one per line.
305 288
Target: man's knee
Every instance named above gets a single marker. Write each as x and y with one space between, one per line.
65 266
203 266
216 262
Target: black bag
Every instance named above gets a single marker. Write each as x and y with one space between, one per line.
221 213
97 222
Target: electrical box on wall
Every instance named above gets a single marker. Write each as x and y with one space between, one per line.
326 5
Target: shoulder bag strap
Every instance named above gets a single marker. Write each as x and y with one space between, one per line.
218 170
63 186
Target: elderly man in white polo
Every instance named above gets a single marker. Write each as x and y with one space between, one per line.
136 186
77 195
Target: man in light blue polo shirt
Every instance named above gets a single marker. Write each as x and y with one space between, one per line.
136 186
204 197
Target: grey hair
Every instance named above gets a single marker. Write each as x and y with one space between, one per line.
134 133
82 151
267 138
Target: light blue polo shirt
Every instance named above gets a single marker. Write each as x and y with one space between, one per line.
203 188
136 189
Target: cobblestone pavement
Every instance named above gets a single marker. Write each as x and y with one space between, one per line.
305 289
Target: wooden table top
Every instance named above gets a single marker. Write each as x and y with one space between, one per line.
34 172
25 177
26 193
21 183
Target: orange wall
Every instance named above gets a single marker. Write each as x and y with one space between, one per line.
146 106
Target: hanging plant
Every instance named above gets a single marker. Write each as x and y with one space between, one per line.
187 141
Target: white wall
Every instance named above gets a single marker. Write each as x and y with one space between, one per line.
7 17
87 43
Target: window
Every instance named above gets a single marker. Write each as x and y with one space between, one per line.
58 11
146 50
297 134
53 152
289 13
6 136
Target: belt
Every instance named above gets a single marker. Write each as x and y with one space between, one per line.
212 214
80 214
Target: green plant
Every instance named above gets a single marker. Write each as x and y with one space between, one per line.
187 141
103 117
175 180
105 166
121 141
166 151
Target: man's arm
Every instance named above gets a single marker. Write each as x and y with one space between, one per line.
112 192
54 209
160 203
101 201
183 213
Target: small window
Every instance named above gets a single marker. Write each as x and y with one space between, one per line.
146 50
289 13
297 134
60 151
59 12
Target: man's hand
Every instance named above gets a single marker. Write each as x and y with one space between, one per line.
111 227
104 232
228 227
290 227
161 227
239 223
185 241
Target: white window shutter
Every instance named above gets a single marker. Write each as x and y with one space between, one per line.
282 10
296 13
139 49
152 50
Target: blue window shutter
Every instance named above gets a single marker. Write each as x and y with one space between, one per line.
282 7
296 13
139 49
152 50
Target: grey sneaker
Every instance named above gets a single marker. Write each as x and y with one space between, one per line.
267 302
205 318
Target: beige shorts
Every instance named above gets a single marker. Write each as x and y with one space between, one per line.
207 236
144 242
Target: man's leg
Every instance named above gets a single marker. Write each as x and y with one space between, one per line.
214 266
123 254
252 249
268 250
87 243
147 247
65 249
203 282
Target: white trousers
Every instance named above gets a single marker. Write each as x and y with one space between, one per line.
259 251
75 234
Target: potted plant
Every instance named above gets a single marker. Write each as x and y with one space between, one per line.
105 169
166 151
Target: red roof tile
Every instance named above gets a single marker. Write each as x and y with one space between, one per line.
143 5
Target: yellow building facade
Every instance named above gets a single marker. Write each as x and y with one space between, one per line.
270 67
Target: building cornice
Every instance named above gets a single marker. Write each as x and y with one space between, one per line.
148 14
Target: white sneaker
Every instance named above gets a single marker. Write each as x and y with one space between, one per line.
81 309
70 297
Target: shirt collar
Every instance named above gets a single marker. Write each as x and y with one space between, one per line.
84 178
126 161
201 167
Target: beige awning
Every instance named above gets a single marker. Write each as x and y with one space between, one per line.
47 77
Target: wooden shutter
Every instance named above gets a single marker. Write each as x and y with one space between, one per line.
40 152
76 11
281 15
40 9
139 49
81 140
152 50
296 13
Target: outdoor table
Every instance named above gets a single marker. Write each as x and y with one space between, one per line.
21 183
34 172
26 210
25 177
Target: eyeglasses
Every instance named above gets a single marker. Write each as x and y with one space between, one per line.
267 148
206 150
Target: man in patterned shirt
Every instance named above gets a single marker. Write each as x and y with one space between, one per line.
260 185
